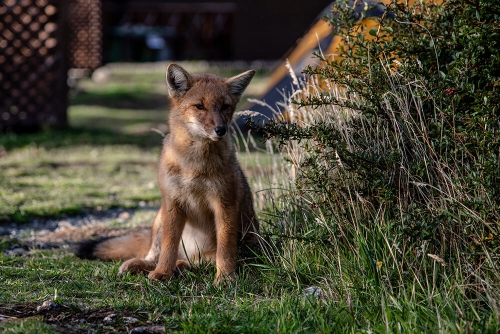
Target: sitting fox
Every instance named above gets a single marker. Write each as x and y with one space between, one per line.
207 208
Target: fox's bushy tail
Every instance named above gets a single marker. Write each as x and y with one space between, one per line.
133 245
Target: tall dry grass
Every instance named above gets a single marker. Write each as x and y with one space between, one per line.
375 254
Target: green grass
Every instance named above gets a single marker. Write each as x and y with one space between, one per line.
189 303
267 296
40 182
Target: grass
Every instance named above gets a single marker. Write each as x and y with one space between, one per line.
189 303
40 182
364 280
268 296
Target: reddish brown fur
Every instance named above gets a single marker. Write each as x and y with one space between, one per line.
118 248
206 199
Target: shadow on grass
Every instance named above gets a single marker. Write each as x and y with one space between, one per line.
109 115
122 98
76 136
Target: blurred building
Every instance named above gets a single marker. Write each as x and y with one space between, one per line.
199 29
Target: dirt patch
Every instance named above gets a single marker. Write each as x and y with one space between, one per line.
71 235
71 319
64 233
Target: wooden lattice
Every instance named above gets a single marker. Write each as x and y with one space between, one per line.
33 66
85 34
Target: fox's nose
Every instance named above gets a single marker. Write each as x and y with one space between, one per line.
220 131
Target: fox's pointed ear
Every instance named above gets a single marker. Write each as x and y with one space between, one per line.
179 81
239 83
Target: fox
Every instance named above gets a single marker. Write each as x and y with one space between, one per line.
207 211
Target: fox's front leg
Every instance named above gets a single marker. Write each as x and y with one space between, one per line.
172 223
226 226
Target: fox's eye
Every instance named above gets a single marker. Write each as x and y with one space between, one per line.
225 106
199 106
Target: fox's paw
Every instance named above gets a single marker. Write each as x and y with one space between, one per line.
158 276
182 265
136 266
223 279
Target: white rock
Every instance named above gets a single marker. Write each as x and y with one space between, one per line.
47 305
312 291
16 252
109 318
129 320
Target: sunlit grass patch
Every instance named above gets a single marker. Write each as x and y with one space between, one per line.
39 182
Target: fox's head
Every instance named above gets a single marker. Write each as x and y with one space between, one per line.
204 103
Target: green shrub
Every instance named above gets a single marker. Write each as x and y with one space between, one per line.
405 136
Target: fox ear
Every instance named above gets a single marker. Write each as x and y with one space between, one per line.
239 83
179 81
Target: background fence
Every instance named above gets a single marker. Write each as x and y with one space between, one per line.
33 68
39 41
85 34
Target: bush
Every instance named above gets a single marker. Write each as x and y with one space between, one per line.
403 145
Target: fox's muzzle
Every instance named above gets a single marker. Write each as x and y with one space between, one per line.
220 128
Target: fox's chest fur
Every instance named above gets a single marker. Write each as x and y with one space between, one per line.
191 175
201 172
